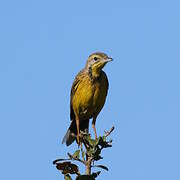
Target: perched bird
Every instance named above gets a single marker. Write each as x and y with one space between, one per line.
88 95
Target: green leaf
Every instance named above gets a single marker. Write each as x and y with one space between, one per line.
104 138
102 166
76 154
97 141
57 160
92 151
67 168
95 174
97 158
92 142
103 143
83 154
67 177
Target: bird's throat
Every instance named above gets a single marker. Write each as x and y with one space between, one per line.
94 73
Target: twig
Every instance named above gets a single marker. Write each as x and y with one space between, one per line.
107 133
88 165
76 159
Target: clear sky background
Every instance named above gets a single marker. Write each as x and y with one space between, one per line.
43 44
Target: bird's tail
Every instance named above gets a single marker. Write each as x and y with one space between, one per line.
71 133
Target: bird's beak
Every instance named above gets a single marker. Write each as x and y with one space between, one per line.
108 59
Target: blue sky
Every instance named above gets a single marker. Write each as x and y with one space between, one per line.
45 43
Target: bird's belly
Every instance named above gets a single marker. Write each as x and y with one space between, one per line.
89 100
83 100
99 98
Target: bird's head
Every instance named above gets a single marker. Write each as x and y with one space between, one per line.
97 61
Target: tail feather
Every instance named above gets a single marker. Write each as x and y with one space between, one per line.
71 133
68 138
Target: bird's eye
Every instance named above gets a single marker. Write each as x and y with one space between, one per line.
95 58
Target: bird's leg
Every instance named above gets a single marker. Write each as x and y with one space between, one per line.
78 131
93 126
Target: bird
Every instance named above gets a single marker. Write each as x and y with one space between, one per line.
87 97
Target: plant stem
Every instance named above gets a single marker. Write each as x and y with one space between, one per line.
88 165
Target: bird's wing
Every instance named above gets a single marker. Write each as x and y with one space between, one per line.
104 76
74 87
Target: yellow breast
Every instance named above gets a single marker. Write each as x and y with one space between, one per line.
90 96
